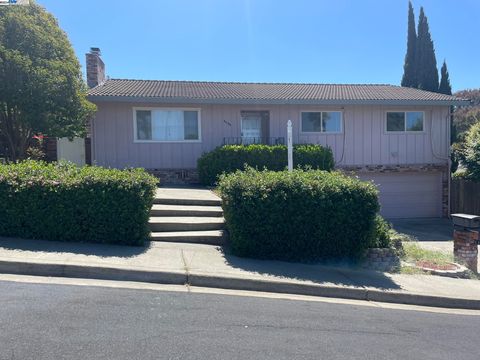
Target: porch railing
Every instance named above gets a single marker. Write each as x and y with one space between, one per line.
253 140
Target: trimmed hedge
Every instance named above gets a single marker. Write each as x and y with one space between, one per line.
60 201
229 158
299 215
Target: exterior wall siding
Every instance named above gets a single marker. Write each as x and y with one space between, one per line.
363 141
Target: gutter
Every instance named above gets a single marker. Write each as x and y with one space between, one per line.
182 100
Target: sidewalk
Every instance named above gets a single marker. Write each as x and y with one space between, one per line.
208 266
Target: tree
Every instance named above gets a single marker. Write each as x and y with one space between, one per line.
445 86
466 116
409 67
425 60
470 153
41 86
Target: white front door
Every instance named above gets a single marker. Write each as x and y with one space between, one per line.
251 128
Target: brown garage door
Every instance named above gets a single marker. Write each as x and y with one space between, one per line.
407 195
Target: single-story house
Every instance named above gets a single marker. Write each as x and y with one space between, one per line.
399 137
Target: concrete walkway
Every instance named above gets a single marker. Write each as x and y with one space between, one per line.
208 266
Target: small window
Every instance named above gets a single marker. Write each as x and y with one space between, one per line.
324 122
400 121
167 125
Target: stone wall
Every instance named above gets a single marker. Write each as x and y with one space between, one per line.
176 176
381 259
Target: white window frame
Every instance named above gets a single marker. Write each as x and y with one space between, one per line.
199 120
405 131
321 132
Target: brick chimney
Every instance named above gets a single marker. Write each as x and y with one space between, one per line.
95 68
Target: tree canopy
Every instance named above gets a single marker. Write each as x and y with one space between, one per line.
426 62
41 85
445 86
420 66
409 67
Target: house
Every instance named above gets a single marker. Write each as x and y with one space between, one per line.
398 137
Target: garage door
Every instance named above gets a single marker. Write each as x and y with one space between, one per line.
407 195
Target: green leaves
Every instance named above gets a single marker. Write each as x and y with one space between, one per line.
302 215
41 86
59 201
229 158
470 153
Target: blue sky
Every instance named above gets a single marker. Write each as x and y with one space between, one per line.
334 41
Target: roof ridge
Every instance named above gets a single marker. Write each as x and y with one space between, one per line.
249 83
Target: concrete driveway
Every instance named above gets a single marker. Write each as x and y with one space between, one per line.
434 229
432 234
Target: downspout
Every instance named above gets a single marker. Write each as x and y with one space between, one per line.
344 136
448 158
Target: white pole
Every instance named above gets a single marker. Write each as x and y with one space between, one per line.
289 145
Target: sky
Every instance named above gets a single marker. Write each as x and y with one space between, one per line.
306 41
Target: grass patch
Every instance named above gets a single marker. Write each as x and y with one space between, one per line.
414 253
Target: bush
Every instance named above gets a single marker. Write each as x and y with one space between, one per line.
68 203
470 153
229 158
299 215
380 237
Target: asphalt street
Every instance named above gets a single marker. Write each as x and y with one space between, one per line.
45 321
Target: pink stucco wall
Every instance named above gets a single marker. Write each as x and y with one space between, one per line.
362 142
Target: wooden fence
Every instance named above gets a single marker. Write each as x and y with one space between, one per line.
465 197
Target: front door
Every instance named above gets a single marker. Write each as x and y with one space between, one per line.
251 128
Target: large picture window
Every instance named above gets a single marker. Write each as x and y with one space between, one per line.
321 121
167 125
402 121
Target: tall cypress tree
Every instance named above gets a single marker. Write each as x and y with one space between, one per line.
408 78
445 86
425 60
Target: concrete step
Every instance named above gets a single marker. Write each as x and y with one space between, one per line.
187 202
186 210
174 223
211 237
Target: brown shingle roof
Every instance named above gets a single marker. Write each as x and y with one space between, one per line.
231 92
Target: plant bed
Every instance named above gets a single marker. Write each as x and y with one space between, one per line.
60 201
418 260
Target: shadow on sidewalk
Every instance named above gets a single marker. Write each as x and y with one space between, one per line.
335 273
101 250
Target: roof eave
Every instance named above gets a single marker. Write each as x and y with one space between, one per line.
181 100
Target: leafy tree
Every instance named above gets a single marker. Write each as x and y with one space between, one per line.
470 153
409 67
466 116
425 60
445 86
41 87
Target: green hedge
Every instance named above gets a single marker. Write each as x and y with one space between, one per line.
302 215
229 158
60 201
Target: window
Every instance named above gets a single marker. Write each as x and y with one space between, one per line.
167 125
401 121
324 122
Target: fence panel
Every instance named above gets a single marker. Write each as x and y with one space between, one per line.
465 197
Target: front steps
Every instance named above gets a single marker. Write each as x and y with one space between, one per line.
187 215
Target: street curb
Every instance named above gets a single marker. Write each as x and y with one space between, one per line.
285 287
92 272
233 283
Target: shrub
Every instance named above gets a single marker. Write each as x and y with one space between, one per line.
380 237
229 158
299 215
68 203
470 153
